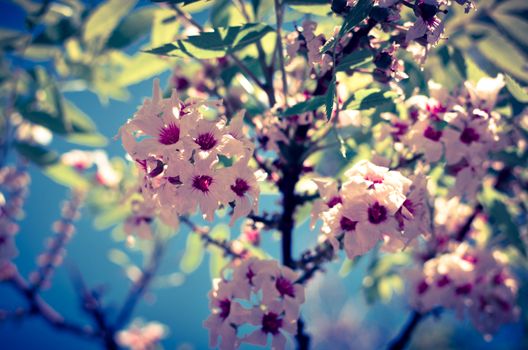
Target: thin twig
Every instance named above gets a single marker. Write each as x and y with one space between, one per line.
280 50
139 287
224 245
39 307
403 338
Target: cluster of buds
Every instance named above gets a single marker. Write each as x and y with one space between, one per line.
55 248
461 127
470 280
259 293
14 184
374 204
187 160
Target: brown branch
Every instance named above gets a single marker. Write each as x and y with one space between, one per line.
203 232
39 307
140 286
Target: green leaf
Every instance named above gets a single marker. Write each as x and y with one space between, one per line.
216 43
515 26
369 98
194 252
110 216
66 176
501 217
354 60
134 26
357 14
217 260
348 265
79 120
306 106
118 257
517 91
313 9
90 140
141 67
37 154
460 62
104 19
164 27
329 99
503 54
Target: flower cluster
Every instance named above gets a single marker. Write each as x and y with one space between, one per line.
187 160
14 183
461 127
259 293
142 336
470 280
373 204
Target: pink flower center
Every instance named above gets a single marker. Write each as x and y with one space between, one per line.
401 129
408 204
443 281
158 169
206 141
140 219
249 275
202 182
334 201
285 287
469 135
271 323
499 279
432 134
377 213
422 287
240 187
374 178
225 308
169 134
174 180
470 258
464 289
347 224
427 11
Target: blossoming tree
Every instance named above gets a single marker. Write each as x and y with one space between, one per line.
390 129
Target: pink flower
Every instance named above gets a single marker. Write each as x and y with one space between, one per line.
374 220
469 280
219 323
330 197
427 24
242 189
271 321
424 137
160 120
484 94
211 137
378 179
279 283
80 160
414 217
142 337
204 186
